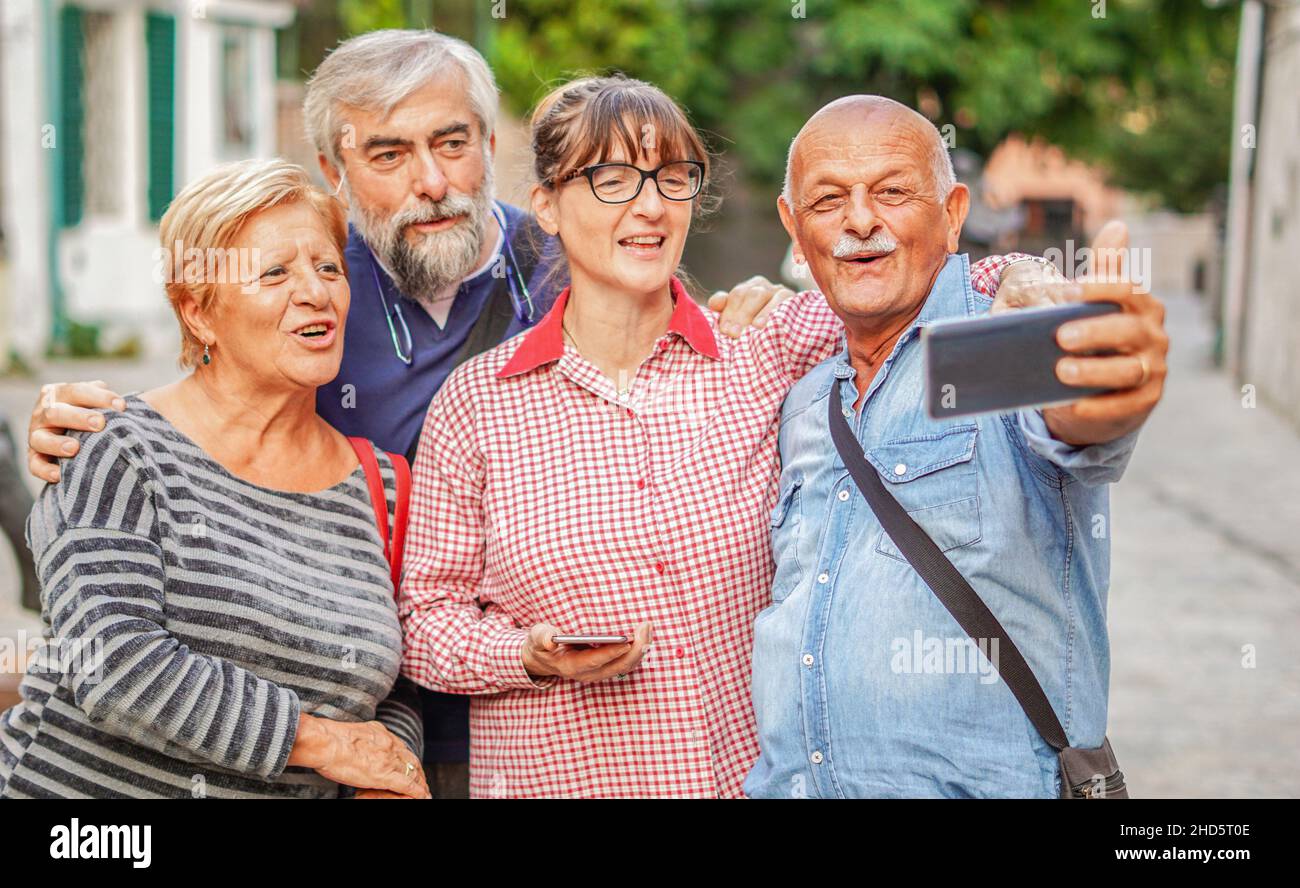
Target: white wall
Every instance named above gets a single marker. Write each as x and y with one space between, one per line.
1271 352
23 163
1177 243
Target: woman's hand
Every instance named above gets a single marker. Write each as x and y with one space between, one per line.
543 657
748 304
361 754
1035 282
1027 283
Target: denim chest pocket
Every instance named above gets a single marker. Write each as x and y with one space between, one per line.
934 478
787 521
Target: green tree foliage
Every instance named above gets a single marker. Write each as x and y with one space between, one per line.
359 16
1141 87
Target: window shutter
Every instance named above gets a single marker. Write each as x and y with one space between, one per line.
160 45
70 135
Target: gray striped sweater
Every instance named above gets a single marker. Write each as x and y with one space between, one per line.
209 612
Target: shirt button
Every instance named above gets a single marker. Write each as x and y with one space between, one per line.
629 412
848 413
808 659
680 653
823 577
659 566
640 484
844 494
900 469
816 757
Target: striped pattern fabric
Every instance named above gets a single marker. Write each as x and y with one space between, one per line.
210 613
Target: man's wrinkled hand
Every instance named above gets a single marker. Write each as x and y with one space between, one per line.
60 408
1136 368
1135 336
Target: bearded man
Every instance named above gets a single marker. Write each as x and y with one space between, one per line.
403 122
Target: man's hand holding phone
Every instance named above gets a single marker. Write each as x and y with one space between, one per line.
1135 336
544 656
1136 369
1134 340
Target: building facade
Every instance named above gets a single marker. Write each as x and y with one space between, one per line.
111 106
1261 295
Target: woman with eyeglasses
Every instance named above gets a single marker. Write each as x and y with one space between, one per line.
606 477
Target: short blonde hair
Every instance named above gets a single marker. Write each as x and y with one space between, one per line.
208 213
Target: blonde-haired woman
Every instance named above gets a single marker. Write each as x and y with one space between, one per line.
219 605
610 472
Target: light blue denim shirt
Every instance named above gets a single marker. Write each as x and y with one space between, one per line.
864 685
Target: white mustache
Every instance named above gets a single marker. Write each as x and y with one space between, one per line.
848 245
450 206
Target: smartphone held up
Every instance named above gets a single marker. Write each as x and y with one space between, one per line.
1003 362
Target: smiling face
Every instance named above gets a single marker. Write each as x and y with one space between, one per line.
632 247
419 185
865 210
284 328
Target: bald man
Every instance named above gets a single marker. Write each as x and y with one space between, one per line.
864 684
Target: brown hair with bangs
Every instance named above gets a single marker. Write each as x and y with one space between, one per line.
582 122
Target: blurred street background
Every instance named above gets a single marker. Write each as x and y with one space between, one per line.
1178 116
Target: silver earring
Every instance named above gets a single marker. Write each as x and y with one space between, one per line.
207 356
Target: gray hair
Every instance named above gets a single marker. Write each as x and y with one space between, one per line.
379 69
940 163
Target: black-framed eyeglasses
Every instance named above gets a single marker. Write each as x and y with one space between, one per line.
616 183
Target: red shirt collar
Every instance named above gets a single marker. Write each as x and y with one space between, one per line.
545 342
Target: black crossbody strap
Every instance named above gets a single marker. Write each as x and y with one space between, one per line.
947 583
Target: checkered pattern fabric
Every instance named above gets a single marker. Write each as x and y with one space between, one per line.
546 492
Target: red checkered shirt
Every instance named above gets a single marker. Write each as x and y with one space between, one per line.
543 494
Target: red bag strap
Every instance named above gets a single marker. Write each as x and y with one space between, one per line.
374 480
400 515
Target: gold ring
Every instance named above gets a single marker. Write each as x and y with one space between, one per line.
1146 371
410 769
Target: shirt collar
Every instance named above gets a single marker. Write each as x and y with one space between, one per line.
951 297
544 343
